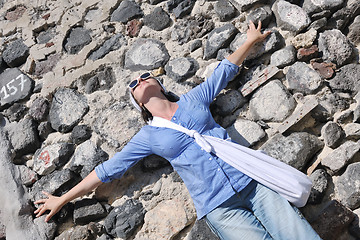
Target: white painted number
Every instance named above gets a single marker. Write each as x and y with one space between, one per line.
10 89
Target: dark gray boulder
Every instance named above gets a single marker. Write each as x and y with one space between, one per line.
347 189
301 78
201 231
333 134
180 8
87 210
347 79
77 39
111 44
225 10
126 11
180 69
263 14
39 109
15 53
80 134
319 179
158 19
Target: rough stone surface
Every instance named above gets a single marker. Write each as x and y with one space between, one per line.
180 8
82 232
335 47
325 69
16 112
333 210
44 130
180 69
102 79
52 157
28 176
122 221
352 131
296 149
15 53
67 109
347 79
225 10
304 40
305 54
272 43
157 55
246 132
276 109
263 14
157 19
341 156
354 33
354 228
290 16
228 102
86 157
23 136
14 86
112 44
39 109
77 39
283 57
80 134
126 11
314 6
201 231
319 179
243 5
88 210
301 78
347 187
218 38
47 65
333 134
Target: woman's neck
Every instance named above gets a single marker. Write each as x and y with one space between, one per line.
161 107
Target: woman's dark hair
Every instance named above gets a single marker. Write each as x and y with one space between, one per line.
146 114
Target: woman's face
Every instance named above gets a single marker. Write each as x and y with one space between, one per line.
146 89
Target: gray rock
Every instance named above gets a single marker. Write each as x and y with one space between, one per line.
223 53
290 16
283 57
225 10
15 53
201 231
87 210
335 215
243 5
154 2
16 112
297 149
89 231
158 19
303 79
125 219
335 47
354 32
46 36
180 69
47 229
341 18
246 132
56 183
67 109
348 189
44 129
52 157
319 179
352 131
195 45
77 39
23 136
102 79
191 28
329 103
28 176
357 114
180 8
218 38
341 156
2 64
333 134
347 79
263 14
39 109
272 102
14 86
126 11
228 102
318 25
80 134
86 157
272 43
315 6
354 228
112 44
156 55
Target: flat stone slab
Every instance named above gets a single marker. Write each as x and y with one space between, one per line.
14 86
146 54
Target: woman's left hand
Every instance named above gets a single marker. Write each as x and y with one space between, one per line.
254 34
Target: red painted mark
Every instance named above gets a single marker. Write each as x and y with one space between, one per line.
45 156
46 16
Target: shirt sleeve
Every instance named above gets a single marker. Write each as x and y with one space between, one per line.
134 151
209 89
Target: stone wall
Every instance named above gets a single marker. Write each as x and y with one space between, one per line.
64 70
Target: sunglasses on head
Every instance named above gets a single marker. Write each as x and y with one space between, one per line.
135 82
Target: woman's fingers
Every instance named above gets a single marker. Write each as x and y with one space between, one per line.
259 26
48 217
40 201
42 210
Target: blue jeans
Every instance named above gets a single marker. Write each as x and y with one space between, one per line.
257 212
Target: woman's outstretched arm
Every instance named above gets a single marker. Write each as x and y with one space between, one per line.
54 204
254 35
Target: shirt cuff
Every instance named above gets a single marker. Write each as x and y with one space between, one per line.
101 174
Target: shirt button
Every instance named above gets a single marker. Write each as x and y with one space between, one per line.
210 158
174 118
218 169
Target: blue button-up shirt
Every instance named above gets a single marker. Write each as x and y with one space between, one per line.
209 179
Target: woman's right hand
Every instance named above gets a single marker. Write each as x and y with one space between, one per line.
52 203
